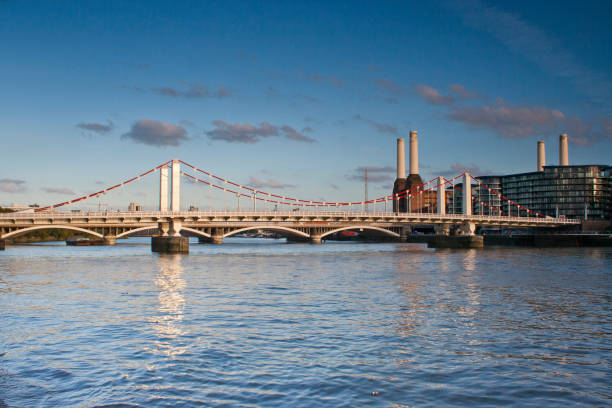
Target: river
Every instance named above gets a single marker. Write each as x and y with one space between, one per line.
257 322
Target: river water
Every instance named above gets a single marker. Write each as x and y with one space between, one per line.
265 323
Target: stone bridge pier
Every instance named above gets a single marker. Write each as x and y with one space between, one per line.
170 240
467 228
442 229
404 232
316 234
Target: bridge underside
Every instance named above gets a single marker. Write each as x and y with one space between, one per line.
211 233
98 232
306 233
228 229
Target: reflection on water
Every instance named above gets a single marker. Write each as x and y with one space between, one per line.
469 279
304 325
167 323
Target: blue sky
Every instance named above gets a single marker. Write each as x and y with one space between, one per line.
294 97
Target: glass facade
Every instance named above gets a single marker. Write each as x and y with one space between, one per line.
565 191
485 201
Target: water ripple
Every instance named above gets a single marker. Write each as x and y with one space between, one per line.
300 325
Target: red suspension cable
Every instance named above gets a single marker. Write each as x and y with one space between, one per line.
101 191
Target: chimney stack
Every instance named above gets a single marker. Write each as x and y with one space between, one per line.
541 156
563 156
401 159
414 153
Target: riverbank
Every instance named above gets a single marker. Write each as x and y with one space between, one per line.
550 240
526 240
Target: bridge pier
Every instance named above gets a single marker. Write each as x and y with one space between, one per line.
164 228
214 239
170 245
109 240
404 232
442 229
175 228
467 228
315 239
456 241
2 244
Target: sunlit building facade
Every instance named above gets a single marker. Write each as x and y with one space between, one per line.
580 192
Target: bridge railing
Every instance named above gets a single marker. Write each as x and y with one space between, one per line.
297 214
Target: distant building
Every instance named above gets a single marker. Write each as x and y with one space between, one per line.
134 207
583 192
19 207
577 191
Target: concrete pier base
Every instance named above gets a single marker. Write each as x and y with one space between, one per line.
170 245
315 239
404 233
109 240
442 229
2 244
456 241
214 239
467 228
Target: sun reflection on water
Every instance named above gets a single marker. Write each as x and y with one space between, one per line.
171 304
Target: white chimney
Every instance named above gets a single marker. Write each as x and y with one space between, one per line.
401 159
541 156
563 155
414 153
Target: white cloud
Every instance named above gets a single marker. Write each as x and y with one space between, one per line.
8 185
154 133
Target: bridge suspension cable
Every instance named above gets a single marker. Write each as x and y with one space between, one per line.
529 211
421 192
104 191
291 201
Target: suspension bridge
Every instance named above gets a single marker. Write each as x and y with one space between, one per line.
445 204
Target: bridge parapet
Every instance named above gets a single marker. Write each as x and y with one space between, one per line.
121 218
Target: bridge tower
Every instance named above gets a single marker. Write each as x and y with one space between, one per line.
175 204
170 239
467 194
441 198
163 188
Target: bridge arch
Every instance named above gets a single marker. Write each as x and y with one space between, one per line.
196 232
51 226
289 231
362 227
135 230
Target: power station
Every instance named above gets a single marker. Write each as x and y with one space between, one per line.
564 190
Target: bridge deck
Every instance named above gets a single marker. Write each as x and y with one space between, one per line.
264 217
